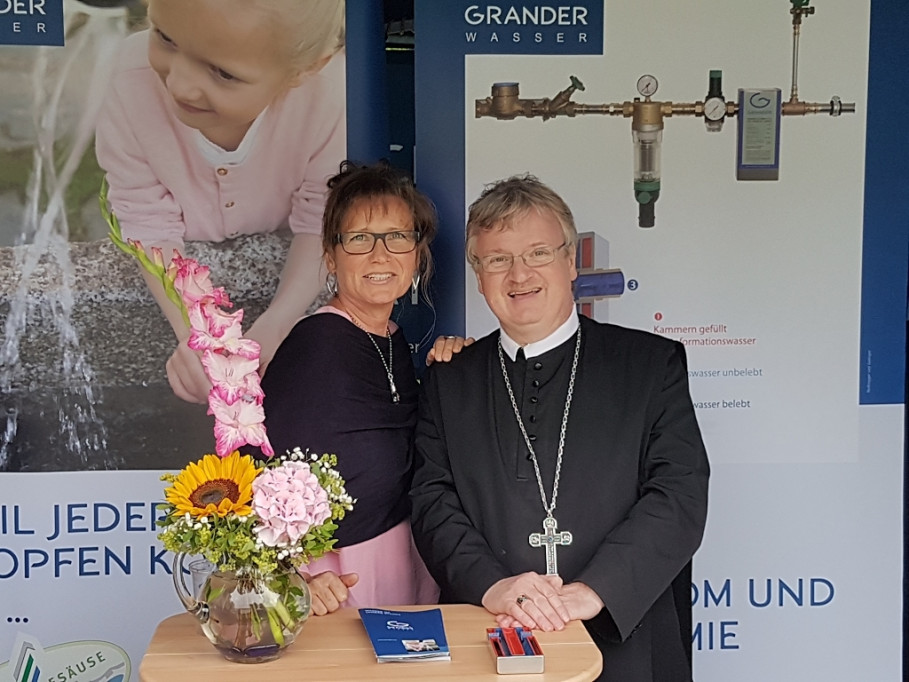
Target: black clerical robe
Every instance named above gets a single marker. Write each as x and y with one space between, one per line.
632 492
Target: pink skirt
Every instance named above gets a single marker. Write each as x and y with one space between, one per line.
391 571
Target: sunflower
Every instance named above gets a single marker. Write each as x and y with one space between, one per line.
214 486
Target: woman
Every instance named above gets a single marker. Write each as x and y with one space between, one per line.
343 382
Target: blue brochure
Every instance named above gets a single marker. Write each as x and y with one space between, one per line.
406 635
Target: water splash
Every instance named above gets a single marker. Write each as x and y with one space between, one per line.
43 297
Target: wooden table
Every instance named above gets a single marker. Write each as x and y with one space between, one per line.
335 647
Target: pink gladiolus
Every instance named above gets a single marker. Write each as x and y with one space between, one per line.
230 376
190 279
230 361
288 501
240 346
219 297
230 340
218 320
238 424
251 391
210 320
252 388
200 339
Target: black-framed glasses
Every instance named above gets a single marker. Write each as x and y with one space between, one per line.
536 257
357 243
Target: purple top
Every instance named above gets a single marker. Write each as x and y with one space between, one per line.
327 390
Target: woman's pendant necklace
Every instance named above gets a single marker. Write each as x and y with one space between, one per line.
395 396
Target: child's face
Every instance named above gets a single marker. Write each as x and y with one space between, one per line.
219 62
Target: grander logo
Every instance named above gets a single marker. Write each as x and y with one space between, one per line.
536 15
31 22
22 7
533 27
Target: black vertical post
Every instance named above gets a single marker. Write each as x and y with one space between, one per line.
367 105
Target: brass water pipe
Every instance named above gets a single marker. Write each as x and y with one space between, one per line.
505 103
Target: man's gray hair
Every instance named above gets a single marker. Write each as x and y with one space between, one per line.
504 202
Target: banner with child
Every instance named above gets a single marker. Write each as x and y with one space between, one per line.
216 129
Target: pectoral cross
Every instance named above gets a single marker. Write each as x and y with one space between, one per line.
549 538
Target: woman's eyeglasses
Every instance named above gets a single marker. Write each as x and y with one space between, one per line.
357 243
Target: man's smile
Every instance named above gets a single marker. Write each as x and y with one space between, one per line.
524 292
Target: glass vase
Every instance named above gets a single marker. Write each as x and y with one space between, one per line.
248 615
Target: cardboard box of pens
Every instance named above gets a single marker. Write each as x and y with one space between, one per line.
515 650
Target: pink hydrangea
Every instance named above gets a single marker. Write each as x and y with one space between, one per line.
288 501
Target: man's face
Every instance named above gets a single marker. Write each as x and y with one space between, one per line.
530 303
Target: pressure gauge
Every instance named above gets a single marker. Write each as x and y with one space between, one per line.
647 85
714 108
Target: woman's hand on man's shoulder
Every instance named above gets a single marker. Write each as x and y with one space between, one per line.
446 347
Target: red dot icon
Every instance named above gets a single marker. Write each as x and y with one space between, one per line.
658 316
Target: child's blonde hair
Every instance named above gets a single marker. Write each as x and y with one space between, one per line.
314 29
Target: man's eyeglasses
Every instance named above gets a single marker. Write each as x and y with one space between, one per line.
357 243
536 257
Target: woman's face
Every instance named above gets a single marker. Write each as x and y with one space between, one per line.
380 277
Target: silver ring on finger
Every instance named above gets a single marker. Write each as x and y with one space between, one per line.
521 599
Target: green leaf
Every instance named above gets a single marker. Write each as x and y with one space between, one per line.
137 252
256 621
276 631
283 614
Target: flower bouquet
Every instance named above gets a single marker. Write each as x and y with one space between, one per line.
257 522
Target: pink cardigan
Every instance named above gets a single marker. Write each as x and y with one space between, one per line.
163 189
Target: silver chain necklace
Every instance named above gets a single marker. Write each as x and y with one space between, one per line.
551 536
395 396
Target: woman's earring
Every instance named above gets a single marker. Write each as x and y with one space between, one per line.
331 283
414 294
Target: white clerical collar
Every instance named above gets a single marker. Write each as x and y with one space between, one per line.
557 338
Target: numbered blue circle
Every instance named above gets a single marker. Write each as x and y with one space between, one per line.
632 284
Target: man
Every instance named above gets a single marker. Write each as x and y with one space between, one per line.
560 472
